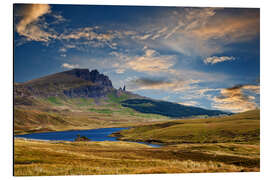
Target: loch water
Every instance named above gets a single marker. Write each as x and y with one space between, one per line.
101 134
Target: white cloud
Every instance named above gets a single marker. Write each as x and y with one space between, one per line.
150 62
81 33
70 66
201 32
175 85
89 36
58 18
30 26
216 59
144 37
254 88
190 31
62 49
189 103
159 33
235 99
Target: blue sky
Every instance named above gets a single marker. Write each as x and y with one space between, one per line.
206 57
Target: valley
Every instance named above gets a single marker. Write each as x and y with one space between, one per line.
193 139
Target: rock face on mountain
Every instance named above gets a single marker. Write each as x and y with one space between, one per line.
72 83
93 76
101 86
79 88
94 91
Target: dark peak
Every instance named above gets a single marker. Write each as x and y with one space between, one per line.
77 71
80 73
93 76
94 71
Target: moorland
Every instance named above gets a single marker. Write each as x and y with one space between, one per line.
192 139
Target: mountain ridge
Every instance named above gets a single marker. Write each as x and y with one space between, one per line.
64 83
82 83
84 99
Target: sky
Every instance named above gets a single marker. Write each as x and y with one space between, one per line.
204 57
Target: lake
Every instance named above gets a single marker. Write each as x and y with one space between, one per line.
101 134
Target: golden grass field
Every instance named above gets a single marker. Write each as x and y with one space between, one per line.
40 158
238 128
224 144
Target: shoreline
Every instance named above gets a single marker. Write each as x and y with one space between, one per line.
115 134
36 132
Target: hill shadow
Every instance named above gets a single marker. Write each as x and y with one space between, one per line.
168 109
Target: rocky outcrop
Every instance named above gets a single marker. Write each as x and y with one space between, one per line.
72 83
93 76
101 86
93 91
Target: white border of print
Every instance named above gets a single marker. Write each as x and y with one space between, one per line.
7 85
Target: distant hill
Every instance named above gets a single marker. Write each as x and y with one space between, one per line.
238 128
169 109
80 98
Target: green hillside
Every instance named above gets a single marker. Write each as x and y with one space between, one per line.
168 109
238 128
60 113
83 99
49 85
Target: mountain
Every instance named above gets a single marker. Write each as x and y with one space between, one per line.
73 83
83 99
169 109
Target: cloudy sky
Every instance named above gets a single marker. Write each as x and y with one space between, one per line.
205 57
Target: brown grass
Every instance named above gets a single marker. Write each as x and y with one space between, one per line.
238 128
39 158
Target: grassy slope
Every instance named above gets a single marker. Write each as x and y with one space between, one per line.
168 109
56 114
36 158
242 127
52 84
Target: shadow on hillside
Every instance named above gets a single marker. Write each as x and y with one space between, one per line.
168 109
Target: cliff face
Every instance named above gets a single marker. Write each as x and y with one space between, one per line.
57 89
101 84
72 83
94 76
94 91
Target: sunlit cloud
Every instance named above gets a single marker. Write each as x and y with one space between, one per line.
146 36
200 32
192 18
70 66
189 103
216 59
230 29
204 91
58 18
190 31
176 85
62 49
198 75
235 99
150 62
160 53
254 88
30 26
89 36
159 33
